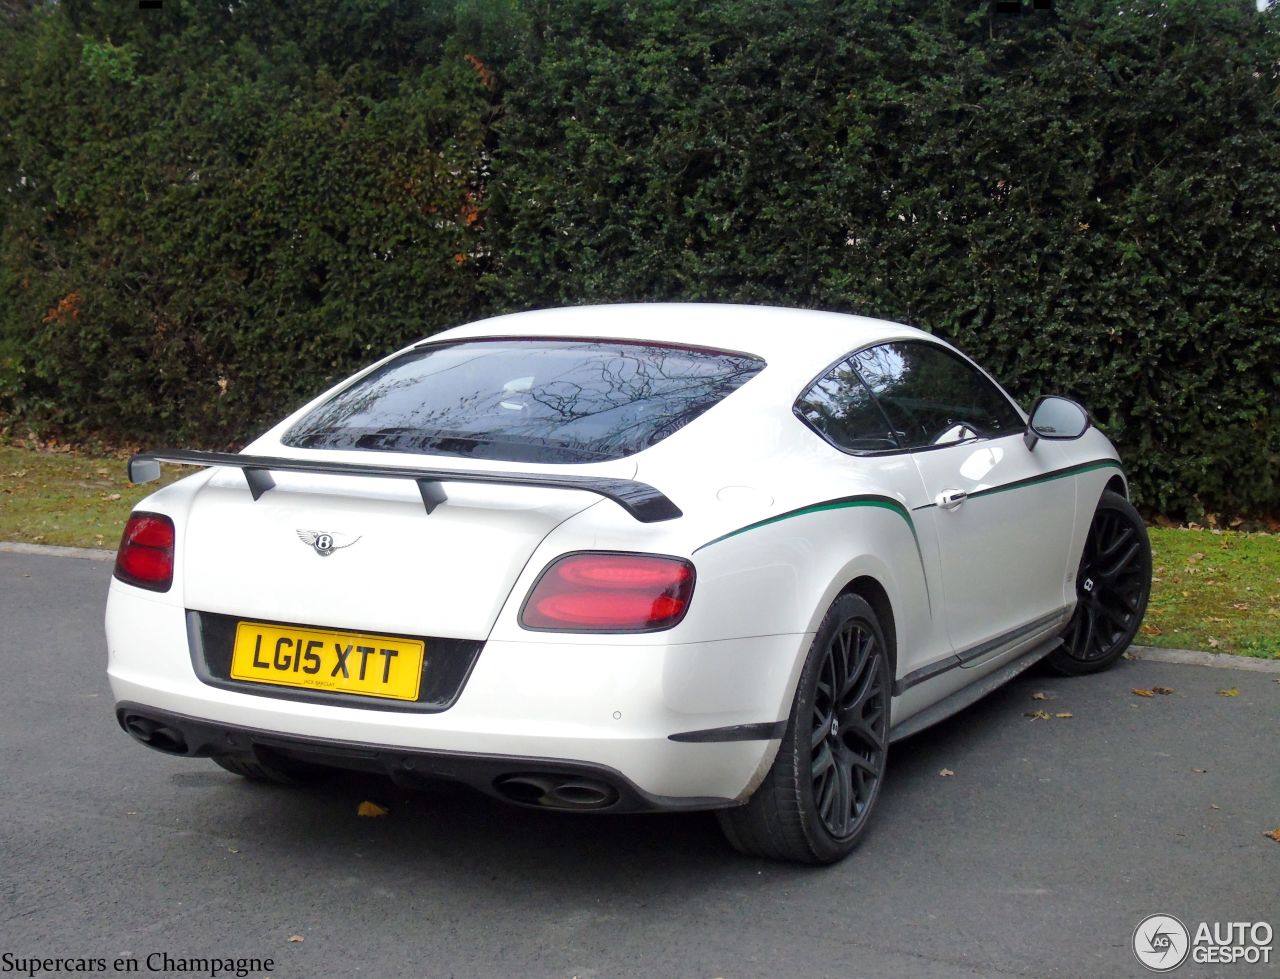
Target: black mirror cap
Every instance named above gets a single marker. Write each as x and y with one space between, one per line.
1057 419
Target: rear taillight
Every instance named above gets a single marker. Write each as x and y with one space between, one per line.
609 593
145 557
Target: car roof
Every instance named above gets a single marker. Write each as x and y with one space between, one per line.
805 340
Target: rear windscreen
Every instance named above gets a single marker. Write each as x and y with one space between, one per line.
526 400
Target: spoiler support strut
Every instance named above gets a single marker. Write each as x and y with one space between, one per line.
641 500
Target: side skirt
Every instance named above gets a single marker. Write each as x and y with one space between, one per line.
975 691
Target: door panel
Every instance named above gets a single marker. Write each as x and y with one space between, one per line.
1003 537
1002 531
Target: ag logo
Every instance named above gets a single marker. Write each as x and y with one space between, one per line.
1161 942
325 542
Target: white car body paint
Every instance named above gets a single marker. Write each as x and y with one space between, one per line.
776 521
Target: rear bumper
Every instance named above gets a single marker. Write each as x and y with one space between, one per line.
596 710
551 783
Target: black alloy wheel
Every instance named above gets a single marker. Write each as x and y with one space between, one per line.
848 729
1113 584
818 797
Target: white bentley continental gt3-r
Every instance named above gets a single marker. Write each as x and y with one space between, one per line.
622 558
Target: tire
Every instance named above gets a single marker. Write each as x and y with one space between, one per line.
275 772
817 799
1113 584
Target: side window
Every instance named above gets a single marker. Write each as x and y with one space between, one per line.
840 407
933 397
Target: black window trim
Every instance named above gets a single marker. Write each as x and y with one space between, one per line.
877 453
888 425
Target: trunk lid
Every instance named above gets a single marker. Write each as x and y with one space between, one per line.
362 553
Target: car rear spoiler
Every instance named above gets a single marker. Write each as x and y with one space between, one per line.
640 500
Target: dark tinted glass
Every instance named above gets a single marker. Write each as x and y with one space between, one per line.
933 397
840 407
526 400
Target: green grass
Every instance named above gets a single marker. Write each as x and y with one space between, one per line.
67 498
1211 590
1217 590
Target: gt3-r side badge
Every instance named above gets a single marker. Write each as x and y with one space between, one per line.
325 542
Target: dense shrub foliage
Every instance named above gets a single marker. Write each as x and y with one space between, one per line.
211 210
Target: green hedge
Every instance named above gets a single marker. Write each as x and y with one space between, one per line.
213 210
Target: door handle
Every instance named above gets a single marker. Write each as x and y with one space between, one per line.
949 499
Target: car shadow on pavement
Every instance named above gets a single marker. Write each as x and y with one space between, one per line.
443 825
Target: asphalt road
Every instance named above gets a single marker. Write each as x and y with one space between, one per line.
1038 857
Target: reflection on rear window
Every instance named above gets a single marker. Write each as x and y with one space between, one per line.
526 400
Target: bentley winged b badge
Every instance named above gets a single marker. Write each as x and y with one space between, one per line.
324 542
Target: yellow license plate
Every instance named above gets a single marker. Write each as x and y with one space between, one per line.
321 659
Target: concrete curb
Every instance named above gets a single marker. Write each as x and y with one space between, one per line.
1193 657
53 550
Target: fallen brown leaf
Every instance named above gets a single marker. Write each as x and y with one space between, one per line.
296 938
1213 643
1141 692
1162 691
1064 713
1042 695
1152 630
1273 835
1229 692
946 772
370 809
1037 715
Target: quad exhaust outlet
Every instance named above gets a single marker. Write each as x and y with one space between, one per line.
565 790
556 791
154 734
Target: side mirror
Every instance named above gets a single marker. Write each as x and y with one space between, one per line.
1054 418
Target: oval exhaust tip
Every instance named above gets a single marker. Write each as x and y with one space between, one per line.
584 794
139 727
527 789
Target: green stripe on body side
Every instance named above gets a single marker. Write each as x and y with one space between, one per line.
880 502
1077 470
1049 477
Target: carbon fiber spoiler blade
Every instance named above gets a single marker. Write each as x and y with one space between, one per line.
640 500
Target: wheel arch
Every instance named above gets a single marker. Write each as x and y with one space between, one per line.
873 593
1117 484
